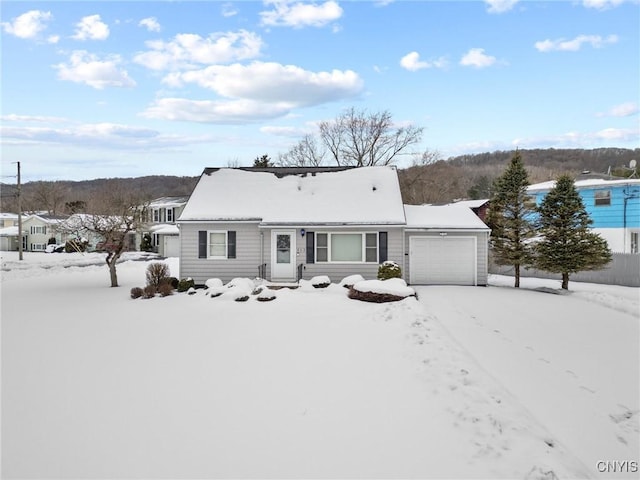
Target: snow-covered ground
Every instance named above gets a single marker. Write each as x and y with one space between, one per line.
463 383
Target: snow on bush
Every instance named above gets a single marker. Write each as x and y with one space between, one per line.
321 281
351 280
185 284
380 291
238 289
213 283
389 269
266 295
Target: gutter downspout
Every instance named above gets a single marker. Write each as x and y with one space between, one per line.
262 252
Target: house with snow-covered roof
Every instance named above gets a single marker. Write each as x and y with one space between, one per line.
286 224
613 205
161 224
41 229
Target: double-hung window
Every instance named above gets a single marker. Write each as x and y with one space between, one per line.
602 197
170 215
347 247
217 244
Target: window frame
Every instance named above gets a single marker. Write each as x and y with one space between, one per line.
604 200
364 247
226 245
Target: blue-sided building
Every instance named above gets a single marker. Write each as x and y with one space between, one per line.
613 205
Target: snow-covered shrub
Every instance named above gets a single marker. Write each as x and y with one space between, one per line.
191 291
348 282
389 269
266 295
165 289
136 292
242 298
381 291
213 283
185 284
149 291
157 272
321 281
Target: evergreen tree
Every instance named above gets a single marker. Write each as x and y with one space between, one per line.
510 218
262 162
568 245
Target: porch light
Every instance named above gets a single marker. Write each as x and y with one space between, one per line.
302 232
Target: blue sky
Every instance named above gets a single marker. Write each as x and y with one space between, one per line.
125 89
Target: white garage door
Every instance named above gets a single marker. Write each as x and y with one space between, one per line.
442 260
171 246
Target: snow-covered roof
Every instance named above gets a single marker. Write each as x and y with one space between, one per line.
471 203
290 196
165 229
168 202
443 216
8 216
590 183
9 232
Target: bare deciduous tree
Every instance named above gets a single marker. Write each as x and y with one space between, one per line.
113 215
48 195
305 153
358 138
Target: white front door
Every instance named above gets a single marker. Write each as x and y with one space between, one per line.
283 255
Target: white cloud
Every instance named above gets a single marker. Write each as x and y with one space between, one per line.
228 10
151 24
28 25
500 6
220 112
91 28
603 137
298 14
12 117
87 68
273 83
602 4
188 49
476 57
53 39
254 92
573 45
411 61
622 110
101 135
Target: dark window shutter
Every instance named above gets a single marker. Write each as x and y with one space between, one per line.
202 244
382 246
231 244
311 247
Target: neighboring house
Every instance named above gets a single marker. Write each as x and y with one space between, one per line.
613 205
479 207
284 224
8 232
161 225
8 220
39 230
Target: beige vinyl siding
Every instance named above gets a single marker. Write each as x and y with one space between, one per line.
481 256
245 264
338 271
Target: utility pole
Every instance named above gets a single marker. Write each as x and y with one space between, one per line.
20 256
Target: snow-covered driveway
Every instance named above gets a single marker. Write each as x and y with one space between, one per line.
572 360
